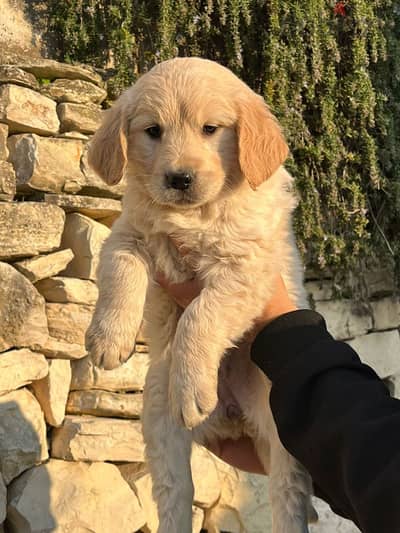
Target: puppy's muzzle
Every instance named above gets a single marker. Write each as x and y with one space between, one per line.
180 181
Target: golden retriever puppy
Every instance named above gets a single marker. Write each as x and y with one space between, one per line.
202 155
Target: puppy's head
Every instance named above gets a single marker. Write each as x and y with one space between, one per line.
187 132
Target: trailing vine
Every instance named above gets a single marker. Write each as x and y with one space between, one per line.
329 69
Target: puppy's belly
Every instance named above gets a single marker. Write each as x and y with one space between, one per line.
242 388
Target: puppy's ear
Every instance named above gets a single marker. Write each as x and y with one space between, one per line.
262 147
108 147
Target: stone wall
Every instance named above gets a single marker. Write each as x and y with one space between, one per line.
71 450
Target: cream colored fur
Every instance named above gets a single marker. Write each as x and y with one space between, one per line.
235 222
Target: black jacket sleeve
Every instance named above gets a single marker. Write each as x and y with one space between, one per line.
336 417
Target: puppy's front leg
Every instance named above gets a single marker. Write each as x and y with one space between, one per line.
122 279
210 325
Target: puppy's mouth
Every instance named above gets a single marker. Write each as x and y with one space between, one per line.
184 199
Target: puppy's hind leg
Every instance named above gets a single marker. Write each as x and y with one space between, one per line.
290 492
168 450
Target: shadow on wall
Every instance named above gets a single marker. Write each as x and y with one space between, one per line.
22 445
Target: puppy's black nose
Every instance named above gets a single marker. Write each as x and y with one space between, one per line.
179 180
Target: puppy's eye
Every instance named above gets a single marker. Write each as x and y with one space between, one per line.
154 131
209 129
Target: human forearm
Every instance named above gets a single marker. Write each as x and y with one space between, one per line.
335 415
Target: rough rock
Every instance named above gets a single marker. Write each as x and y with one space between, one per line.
46 164
50 69
73 498
93 185
77 91
72 290
319 290
86 205
128 377
52 391
85 237
3 500
68 322
22 311
243 505
21 367
386 313
7 181
104 403
16 76
140 482
25 110
329 522
73 135
29 228
23 433
56 349
344 321
44 266
380 350
380 282
87 438
85 118
3 141
198 519
207 489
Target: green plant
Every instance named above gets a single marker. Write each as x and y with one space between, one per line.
330 71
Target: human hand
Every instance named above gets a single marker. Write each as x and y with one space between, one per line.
239 453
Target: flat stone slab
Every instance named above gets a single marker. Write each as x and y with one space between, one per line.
52 391
46 164
21 367
23 433
17 76
343 319
56 349
85 237
29 228
3 142
22 312
386 313
8 185
73 498
77 91
87 438
44 266
3 500
379 350
68 322
50 69
103 403
128 377
25 110
68 290
89 206
85 118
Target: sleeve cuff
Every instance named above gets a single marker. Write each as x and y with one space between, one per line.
279 342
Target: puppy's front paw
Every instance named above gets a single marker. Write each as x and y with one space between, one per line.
192 393
109 343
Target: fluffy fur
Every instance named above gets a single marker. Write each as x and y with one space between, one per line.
235 222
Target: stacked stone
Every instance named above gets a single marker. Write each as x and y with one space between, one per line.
71 447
